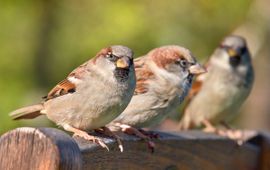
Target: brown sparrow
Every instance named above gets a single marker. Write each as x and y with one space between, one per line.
216 96
91 96
164 77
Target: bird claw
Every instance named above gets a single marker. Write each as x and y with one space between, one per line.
94 139
139 133
102 144
150 134
236 135
151 145
108 132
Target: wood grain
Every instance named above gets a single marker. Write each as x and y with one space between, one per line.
48 148
262 140
185 151
42 149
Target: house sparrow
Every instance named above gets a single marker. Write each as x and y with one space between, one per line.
164 77
91 96
216 96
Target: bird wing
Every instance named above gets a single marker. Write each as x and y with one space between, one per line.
68 85
143 75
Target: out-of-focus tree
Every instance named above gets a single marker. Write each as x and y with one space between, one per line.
42 41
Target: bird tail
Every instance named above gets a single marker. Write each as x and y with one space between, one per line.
28 112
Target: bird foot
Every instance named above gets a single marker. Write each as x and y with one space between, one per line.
108 132
85 135
133 131
150 134
151 146
94 139
236 135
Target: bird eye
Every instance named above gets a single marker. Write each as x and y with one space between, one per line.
111 57
183 63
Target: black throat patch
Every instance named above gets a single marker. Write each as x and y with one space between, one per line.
121 74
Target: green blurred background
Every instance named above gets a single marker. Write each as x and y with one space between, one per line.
41 41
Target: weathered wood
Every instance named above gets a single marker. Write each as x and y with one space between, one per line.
187 150
263 141
42 149
47 148
265 156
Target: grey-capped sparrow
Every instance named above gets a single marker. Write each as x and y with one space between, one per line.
217 95
91 96
164 77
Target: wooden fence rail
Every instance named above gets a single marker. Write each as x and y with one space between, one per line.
47 149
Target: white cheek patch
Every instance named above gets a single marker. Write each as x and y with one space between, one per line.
221 62
173 78
104 66
74 80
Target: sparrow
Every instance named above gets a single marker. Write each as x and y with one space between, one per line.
91 96
215 97
164 77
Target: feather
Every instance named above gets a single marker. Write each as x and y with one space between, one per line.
67 85
28 112
143 74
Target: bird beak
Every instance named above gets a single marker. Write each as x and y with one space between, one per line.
123 62
197 69
232 52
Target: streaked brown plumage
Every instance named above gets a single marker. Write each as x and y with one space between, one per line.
91 96
164 77
217 95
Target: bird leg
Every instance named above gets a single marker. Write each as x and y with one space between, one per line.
108 132
133 131
151 135
209 128
85 135
226 125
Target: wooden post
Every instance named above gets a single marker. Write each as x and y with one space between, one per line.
263 141
48 148
43 149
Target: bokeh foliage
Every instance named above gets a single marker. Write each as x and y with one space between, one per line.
41 41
